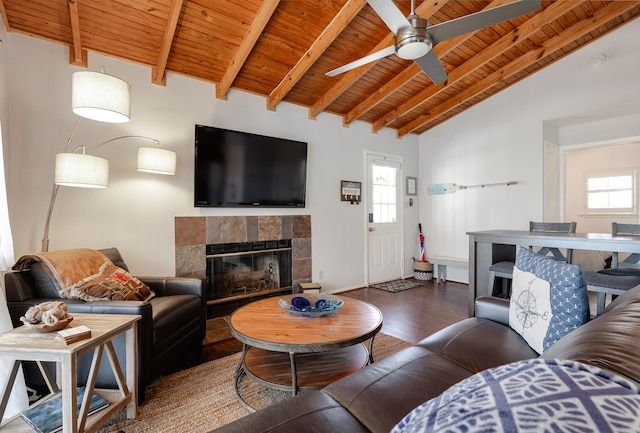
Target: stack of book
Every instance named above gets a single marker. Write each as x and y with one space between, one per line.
310 287
47 417
71 335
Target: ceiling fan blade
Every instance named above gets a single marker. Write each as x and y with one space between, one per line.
482 19
431 66
363 61
390 14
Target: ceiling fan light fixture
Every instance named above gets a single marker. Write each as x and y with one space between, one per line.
413 49
413 42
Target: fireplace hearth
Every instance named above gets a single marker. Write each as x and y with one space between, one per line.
197 237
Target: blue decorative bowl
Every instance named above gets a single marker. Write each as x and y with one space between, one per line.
310 305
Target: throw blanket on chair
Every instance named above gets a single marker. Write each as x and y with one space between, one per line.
87 274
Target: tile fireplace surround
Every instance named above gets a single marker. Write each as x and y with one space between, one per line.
193 234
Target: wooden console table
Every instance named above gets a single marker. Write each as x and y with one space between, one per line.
25 344
489 247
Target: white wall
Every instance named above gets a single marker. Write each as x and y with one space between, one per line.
502 138
4 89
137 211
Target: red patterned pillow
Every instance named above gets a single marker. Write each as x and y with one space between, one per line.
110 283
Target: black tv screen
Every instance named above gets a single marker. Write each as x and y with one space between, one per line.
237 169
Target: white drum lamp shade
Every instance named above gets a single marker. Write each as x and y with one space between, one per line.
156 160
79 170
101 97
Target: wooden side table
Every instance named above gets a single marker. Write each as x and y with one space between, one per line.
25 344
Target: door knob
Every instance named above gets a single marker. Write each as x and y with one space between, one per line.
370 229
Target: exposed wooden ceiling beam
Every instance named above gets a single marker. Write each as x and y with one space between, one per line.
382 92
77 55
192 37
346 81
411 71
503 73
158 73
566 38
326 38
488 54
426 9
400 80
250 38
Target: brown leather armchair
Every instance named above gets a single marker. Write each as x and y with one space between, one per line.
171 328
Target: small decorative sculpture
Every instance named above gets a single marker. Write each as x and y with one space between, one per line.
47 316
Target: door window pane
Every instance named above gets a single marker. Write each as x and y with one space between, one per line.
384 194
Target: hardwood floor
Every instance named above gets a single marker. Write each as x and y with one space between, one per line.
414 314
410 315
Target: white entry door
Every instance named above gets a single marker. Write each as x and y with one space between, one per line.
384 215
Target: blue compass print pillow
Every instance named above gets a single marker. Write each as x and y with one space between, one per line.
549 299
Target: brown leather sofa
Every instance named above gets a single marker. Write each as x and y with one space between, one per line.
377 397
172 326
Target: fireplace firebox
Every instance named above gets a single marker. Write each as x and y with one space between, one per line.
246 269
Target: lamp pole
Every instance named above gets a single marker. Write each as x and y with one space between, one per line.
45 238
54 193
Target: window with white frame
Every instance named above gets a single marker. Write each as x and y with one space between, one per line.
611 192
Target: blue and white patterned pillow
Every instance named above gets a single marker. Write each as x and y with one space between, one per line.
539 395
549 299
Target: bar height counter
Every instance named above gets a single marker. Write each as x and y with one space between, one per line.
491 246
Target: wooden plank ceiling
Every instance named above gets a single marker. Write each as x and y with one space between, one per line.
281 50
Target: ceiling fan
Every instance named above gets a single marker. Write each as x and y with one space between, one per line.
415 38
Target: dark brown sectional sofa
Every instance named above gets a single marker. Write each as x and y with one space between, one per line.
377 397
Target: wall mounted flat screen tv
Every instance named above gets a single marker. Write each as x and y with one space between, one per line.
238 169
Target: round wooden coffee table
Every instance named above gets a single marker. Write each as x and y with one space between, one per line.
288 352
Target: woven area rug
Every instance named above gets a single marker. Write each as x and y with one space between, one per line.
396 285
203 398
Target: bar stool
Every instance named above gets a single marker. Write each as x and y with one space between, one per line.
504 269
622 276
633 260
